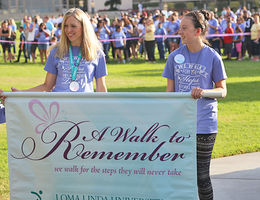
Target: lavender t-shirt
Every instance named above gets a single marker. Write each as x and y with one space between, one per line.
87 70
201 69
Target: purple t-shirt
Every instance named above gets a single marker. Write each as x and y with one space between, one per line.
2 114
43 36
87 70
214 23
119 36
201 69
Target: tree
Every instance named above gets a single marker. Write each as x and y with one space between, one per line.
112 4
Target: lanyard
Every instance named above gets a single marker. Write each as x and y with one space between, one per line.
74 67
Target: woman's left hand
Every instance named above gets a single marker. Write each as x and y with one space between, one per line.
197 93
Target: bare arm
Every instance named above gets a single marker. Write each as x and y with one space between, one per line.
101 84
7 34
47 86
170 85
220 87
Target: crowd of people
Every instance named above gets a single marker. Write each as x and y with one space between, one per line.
133 35
77 60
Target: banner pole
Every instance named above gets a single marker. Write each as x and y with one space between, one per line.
211 94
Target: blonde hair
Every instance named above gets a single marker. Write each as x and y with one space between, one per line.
90 45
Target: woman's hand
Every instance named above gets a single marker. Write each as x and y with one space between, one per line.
2 97
197 93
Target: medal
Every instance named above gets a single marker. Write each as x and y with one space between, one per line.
74 86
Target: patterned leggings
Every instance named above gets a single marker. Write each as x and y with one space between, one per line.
205 144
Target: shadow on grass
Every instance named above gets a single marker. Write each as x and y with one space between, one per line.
243 91
242 68
138 61
149 72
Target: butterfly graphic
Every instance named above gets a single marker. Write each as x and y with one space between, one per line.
47 117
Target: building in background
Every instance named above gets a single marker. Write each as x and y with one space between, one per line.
196 4
17 8
31 6
99 5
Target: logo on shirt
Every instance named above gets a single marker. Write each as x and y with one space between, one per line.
188 75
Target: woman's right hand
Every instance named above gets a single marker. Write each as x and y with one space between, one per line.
2 97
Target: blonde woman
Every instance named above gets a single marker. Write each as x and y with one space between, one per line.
76 59
255 38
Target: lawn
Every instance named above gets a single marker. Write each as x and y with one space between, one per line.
239 112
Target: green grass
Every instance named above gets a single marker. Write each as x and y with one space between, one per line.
239 112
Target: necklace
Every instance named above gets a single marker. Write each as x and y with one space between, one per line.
74 85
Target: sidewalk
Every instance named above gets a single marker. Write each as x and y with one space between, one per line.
236 177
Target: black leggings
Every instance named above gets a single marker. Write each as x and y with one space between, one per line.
205 144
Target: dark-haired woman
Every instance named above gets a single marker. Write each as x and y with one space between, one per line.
5 33
197 68
43 36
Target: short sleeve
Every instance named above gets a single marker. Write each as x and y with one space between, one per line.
51 63
218 72
101 68
168 71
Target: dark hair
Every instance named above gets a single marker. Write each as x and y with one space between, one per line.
118 27
200 20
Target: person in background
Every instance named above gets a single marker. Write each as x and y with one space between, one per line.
228 41
172 29
241 25
161 32
197 68
217 42
249 21
112 30
5 33
22 45
13 26
128 29
119 43
104 31
57 33
149 39
213 27
49 25
238 43
26 33
32 30
165 25
141 30
43 35
255 38
30 39
135 35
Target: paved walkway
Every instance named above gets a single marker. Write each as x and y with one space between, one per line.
236 177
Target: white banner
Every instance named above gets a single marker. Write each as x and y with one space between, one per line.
113 146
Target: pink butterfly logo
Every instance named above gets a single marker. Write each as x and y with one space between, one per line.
47 117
